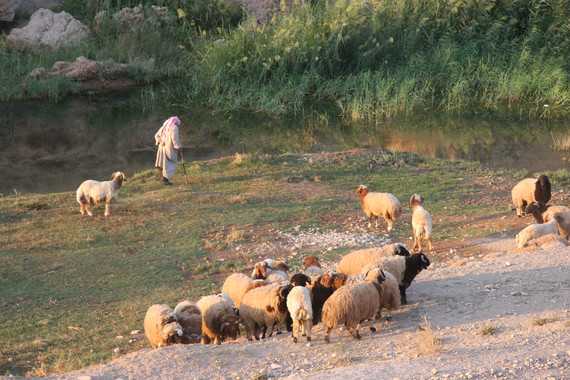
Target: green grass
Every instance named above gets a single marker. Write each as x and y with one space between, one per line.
70 284
365 59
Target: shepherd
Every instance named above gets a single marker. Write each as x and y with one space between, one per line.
168 146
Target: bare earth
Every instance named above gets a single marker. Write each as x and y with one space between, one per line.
524 295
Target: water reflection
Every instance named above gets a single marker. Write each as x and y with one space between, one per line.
47 147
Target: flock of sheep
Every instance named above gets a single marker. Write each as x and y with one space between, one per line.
365 282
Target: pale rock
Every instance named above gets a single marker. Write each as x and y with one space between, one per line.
7 10
47 29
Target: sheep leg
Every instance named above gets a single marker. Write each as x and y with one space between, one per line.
295 330
415 243
307 328
353 332
327 333
420 240
376 220
82 209
390 224
88 208
107 211
372 328
370 220
430 244
403 300
218 340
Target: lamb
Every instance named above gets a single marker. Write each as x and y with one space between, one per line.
93 193
352 304
219 320
161 327
190 318
238 284
543 213
405 269
563 220
301 311
531 190
312 266
323 287
353 262
262 308
379 204
421 222
534 231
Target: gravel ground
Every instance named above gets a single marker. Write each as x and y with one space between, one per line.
522 297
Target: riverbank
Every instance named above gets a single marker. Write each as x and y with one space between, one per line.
77 286
368 60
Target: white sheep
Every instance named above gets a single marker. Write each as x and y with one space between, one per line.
92 193
190 318
385 205
299 306
263 308
219 319
312 266
531 190
352 304
421 222
238 284
405 269
277 276
534 231
161 327
353 262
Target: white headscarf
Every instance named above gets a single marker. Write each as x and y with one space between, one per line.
168 126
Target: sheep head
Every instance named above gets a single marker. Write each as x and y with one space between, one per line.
333 279
375 275
260 270
402 250
311 260
362 190
172 332
118 177
300 279
424 261
416 199
230 327
542 193
536 209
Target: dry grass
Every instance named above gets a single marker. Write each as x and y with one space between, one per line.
488 330
561 141
541 321
234 236
424 341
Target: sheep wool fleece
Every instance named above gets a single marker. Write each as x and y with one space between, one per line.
167 155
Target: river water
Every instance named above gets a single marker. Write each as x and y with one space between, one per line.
53 147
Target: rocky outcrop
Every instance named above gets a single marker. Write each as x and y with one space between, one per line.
47 29
7 10
134 19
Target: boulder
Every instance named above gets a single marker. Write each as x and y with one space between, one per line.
83 70
7 10
134 19
47 29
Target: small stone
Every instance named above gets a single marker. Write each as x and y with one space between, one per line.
119 337
275 366
117 350
134 332
514 294
433 371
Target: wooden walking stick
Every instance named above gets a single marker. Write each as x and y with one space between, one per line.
184 167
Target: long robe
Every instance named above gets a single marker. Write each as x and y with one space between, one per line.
167 155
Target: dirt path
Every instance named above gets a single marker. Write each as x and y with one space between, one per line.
524 296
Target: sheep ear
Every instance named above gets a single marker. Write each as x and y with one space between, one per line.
422 198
